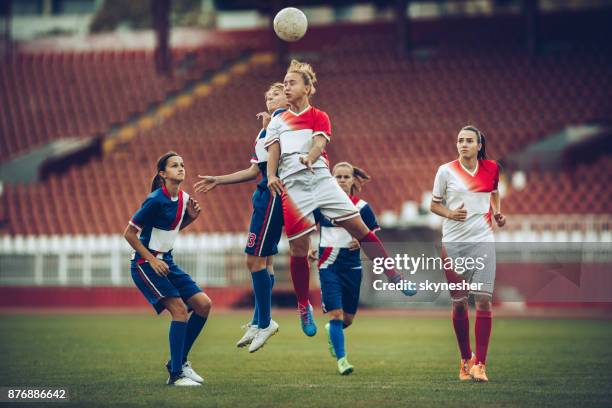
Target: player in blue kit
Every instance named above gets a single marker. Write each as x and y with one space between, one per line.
340 264
265 229
152 232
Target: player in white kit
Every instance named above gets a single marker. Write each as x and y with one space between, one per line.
296 142
465 193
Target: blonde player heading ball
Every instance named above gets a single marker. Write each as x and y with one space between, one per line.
296 141
465 194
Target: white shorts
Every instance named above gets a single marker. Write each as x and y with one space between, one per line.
480 271
305 192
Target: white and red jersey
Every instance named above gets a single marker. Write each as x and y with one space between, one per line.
295 132
455 185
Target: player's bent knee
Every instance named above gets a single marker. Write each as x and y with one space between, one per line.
483 302
255 263
460 306
299 247
177 309
336 314
201 305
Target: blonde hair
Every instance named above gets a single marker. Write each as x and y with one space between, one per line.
307 73
360 176
275 86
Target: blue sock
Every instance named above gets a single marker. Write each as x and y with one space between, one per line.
261 285
336 334
177 342
271 287
194 327
255 321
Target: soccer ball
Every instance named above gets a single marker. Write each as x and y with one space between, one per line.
290 24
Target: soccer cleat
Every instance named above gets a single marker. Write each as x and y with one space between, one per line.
398 278
182 381
464 368
248 336
330 345
190 373
308 325
478 373
262 336
344 367
187 371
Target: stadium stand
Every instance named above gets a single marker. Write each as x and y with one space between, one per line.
409 110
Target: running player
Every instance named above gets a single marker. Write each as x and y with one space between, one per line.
465 194
296 141
340 264
163 283
265 229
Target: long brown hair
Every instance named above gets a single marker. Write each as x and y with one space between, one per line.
360 176
158 180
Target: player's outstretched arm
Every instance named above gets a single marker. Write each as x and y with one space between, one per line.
207 183
460 214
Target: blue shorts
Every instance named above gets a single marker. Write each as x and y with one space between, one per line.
154 287
340 288
266 224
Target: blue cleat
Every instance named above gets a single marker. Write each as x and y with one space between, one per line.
398 278
308 325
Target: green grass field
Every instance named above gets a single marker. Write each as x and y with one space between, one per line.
117 360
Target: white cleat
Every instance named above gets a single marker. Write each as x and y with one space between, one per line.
248 336
189 372
182 381
262 336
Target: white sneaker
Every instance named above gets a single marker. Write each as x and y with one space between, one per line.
248 336
190 373
262 336
182 381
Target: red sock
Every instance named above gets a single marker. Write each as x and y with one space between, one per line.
461 324
373 248
484 322
300 275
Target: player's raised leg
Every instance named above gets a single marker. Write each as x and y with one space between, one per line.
371 246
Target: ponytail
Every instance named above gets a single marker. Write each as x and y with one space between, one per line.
158 181
482 153
360 176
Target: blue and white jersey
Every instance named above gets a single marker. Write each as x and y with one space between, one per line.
334 241
159 220
260 154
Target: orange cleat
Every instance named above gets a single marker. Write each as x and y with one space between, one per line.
464 368
478 373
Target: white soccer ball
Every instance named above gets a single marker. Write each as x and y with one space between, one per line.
290 24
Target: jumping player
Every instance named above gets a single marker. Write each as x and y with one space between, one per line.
296 141
265 229
339 263
465 194
163 283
